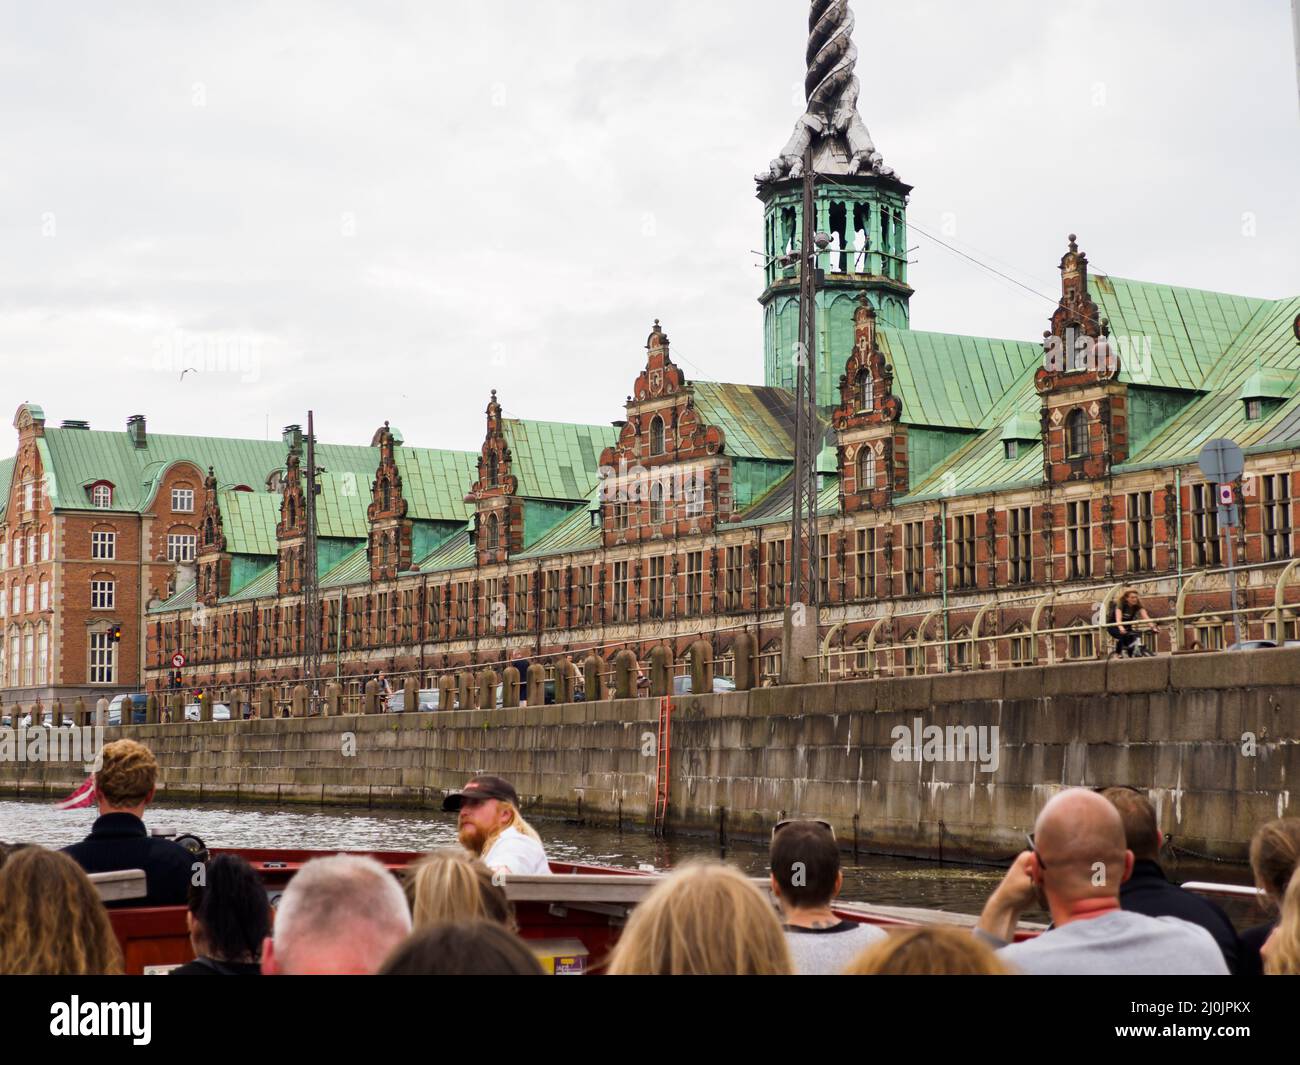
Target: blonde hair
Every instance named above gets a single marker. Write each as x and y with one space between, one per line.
52 922
127 775
705 919
516 821
927 951
450 885
1283 950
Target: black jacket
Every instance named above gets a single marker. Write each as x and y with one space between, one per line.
120 841
1149 892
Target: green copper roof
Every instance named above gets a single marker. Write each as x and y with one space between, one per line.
456 553
1269 384
1269 345
757 421
574 533
265 585
6 482
953 382
555 460
1187 329
249 520
434 483
182 600
354 569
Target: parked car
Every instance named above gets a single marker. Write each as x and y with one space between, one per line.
139 709
1253 645
426 702
721 685
220 712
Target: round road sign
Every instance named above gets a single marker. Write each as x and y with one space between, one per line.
178 660
1222 462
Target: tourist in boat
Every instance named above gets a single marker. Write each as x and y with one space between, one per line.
463 948
124 786
1077 862
806 878
340 916
1148 890
1274 859
452 885
927 951
52 922
1281 953
229 917
491 827
704 919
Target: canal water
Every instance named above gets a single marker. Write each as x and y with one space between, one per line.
876 879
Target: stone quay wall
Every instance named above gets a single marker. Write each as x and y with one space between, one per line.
1214 739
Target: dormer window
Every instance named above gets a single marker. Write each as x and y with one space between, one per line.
1076 435
862 390
657 436
101 496
1254 410
1012 449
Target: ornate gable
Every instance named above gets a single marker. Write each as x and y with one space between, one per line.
1085 407
498 517
213 562
390 532
291 531
868 422
667 474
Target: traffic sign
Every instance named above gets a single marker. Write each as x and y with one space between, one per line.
178 660
1227 495
1222 462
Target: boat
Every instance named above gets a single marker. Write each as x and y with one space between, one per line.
572 918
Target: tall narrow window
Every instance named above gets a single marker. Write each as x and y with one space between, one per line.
1275 503
734 577
914 557
1020 544
963 551
824 568
1205 525
1141 532
1076 434
1078 534
552 580
520 619
656 604
101 496
493 533
494 468
103 658
657 492
862 390
620 591
866 470
775 573
694 582
657 436
866 563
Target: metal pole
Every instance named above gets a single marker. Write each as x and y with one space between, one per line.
1227 531
310 581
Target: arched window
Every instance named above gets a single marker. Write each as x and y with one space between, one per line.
657 514
293 512
386 497
209 532
863 392
657 436
494 468
866 470
493 533
101 496
962 650
1076 434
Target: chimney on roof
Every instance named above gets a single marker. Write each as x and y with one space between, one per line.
292 437
135 430
72 423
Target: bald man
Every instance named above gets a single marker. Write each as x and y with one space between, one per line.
1078 861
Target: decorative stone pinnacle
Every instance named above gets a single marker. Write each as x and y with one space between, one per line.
830 124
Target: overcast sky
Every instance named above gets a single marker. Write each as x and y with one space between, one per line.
384 210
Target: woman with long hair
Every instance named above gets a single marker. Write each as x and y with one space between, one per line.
1281 953
1274 859
52 922
1129 616
705 919
450 885
229 917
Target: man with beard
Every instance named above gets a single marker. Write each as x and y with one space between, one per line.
491 827
1077 860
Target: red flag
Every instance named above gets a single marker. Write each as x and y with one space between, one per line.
81 798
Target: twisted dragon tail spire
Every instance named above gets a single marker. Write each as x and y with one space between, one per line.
831 88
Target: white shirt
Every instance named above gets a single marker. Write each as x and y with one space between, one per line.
516 853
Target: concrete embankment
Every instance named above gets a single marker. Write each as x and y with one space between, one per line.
957 764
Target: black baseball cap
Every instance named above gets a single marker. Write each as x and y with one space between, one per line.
481 787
